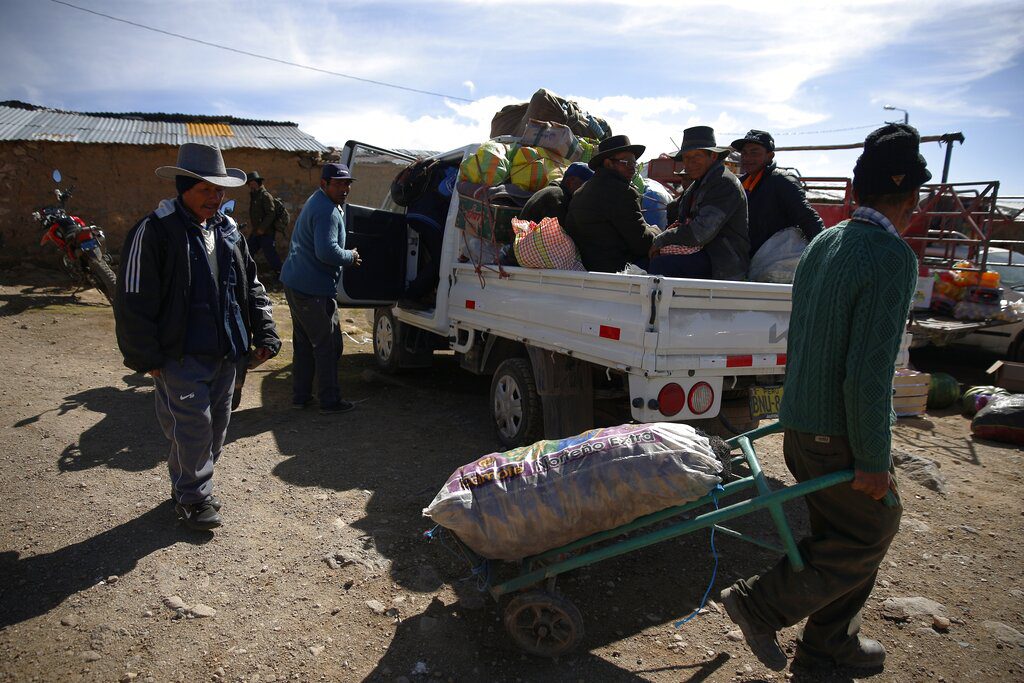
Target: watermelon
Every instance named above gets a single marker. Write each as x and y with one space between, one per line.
943 390
968 403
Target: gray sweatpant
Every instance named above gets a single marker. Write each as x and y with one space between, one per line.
193 405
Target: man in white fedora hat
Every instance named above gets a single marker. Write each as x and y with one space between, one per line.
188 306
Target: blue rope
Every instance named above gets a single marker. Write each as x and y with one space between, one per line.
714 571
481 571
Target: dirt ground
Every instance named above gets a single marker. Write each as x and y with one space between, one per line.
91 554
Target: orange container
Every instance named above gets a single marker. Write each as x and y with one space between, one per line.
990 278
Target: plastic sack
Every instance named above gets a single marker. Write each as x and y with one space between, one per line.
969 399
478 251
490 164
777 259
545 245
969 310
511 505
1002 419
654 203
532 168
554 137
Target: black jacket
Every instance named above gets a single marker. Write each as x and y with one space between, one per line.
778 202
152 302
606 223
547 202
713 211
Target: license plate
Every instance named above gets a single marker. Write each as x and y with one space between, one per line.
765 401
88 244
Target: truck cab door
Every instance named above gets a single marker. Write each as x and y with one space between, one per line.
379 235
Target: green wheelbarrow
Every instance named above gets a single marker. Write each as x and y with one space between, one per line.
543 622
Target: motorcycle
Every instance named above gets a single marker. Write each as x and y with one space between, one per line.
82 247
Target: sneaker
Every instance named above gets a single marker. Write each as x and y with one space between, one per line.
861 653
236 398
342 406
759 638
211 499
199 516
301 405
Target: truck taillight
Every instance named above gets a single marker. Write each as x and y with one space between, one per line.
702 397
671 399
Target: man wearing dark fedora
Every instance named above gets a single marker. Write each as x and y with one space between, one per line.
775 199
851 298
311 273
188 307
264 222
605 220
712 210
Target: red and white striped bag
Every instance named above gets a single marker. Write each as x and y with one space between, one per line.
544 245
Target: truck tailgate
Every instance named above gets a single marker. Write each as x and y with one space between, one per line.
598 317
699 321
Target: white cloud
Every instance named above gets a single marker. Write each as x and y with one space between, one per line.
470 86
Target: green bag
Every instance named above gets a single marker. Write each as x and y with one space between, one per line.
485 220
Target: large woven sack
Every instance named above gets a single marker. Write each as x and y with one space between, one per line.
525 501
489 165
532 168
553 137
545 245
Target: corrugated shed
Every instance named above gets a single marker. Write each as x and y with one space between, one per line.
27 122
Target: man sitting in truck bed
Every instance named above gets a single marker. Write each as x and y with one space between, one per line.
604 218
553 200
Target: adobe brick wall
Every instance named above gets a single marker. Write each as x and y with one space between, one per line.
115 185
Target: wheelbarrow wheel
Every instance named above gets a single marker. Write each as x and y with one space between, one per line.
543 624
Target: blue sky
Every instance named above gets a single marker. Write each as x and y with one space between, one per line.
651 68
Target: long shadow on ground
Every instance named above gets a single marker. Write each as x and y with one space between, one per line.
30 586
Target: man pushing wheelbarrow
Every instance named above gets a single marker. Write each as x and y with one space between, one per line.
851 297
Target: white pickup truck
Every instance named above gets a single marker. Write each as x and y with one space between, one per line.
558 343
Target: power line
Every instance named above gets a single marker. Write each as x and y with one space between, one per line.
816 132
259 56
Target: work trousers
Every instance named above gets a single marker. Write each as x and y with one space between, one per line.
317 346
193 406
850 534
266 244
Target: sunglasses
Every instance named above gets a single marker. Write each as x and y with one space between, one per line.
625 162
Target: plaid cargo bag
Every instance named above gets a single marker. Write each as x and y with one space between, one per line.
545 245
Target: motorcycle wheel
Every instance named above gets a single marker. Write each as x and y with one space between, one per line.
106 280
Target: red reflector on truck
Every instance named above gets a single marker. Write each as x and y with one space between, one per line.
470 304
671 399
739 361
702 397
610 332
780 359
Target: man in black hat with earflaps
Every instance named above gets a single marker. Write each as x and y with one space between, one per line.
188 306
851 298
775 199
712 211
605 220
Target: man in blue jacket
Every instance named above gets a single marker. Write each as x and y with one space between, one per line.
310 276
188 307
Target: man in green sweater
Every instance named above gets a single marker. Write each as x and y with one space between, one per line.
851 297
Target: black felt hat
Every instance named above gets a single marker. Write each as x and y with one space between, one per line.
699 137
891 162
614 145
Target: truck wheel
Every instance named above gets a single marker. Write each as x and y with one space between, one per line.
386 343
515 404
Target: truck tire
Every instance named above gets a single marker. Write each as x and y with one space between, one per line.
387 347
104 277
733 418
515 404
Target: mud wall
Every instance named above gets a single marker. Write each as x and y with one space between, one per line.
115 186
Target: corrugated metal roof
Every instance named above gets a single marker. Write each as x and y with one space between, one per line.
20 121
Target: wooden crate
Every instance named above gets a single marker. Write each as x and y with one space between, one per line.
910 392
